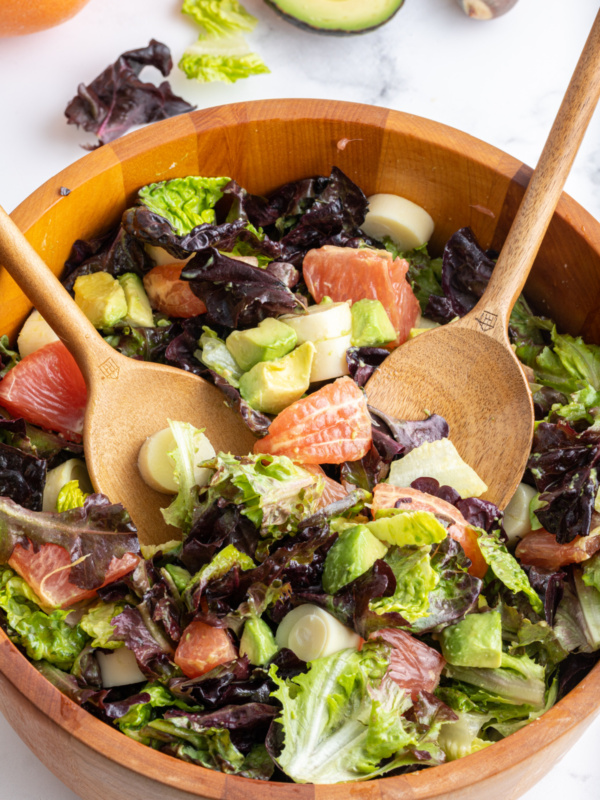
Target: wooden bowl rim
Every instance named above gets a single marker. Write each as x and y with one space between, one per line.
571 711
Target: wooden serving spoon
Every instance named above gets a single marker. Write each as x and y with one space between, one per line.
467 371
128 400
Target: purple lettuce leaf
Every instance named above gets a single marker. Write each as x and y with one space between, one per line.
117 708
373 468
115 252
36 442
256 421
549 585
409 434
247 723
234 683
79 531
22 477
213 528
363 361
563 464
152 650
71 686
117 99
432 486
143 344
478 513
235 293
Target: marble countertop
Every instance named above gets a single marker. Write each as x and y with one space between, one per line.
501 81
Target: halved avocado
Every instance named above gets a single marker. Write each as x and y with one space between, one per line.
338 17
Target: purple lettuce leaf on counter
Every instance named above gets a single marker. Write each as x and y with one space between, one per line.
563 464
237 294
117 99
76 531
22 477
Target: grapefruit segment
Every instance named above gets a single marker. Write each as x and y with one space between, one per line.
203 648
330 426
47 571
170 295
345 273
540 549
333 490
47 388
386 496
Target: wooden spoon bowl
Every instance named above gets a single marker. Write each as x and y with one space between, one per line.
460 181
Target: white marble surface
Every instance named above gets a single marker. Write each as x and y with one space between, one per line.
501 81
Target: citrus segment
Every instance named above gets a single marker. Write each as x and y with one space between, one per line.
203 648
46 388
345 273
540 549
170 295
330 426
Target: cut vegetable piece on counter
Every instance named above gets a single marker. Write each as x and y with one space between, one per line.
203 648
47 389
330 426
407 224
338 17
34 334
345 273
271 386
439 460
219 18
486 9
170 295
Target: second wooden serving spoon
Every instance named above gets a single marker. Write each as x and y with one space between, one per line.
128 400
467 371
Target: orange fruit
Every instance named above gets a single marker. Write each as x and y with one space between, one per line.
203 648
169 295
345 273
330 426
386 496
18 17
46 388
333 490
540 549
57 591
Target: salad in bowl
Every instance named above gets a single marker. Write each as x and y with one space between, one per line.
342 603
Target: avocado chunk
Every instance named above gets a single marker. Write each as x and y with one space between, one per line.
339 17
354 552
139 312
370 324
258 642
101 298
271 386
475 641
408 528
270 340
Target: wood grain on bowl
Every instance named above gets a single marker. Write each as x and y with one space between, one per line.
460 181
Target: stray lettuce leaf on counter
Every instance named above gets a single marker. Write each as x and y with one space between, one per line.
117 99
225 59
221 53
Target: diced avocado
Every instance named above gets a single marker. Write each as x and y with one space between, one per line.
101 298
271 386
258 642
370 324
475 641
354 552
333 17
139 312
423 326
270 340
408 528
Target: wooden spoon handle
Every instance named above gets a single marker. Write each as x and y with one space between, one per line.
51 299
492 312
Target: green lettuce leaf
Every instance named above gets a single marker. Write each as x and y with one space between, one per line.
140 715
221 563
43 636
424 273
215 355
220 17
461 738
242 248
186 457
184 202
415 579
8 357
275 493
96 622
591 571
70 496
343 720
224 59
507 569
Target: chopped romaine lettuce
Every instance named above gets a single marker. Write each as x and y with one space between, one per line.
415 578
70 496
184 202
507 569
97 623
225 59
219 17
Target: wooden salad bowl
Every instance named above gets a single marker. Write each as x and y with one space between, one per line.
460 181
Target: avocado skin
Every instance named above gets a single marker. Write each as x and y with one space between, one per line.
278 7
